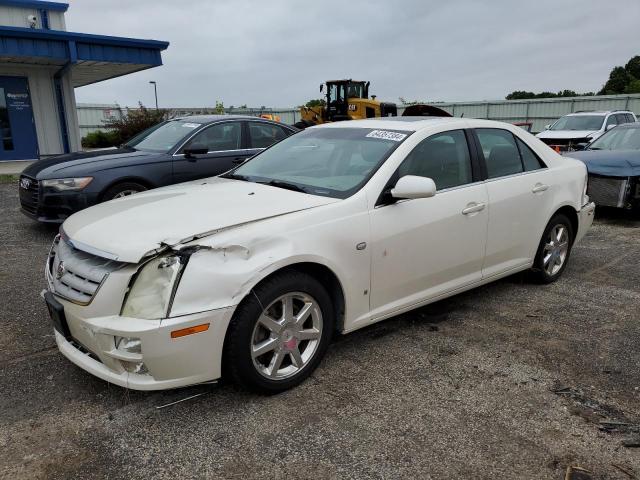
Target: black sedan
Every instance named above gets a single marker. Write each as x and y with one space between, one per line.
613 163
175 151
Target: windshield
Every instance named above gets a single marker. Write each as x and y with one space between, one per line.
579 122
334 162
163 138
618 139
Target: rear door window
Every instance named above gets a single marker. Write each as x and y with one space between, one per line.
500 152
530 160
621 118
218 137
263 135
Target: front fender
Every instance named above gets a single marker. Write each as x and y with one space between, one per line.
220 277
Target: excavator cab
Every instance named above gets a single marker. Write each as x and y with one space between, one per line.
341 94
345 100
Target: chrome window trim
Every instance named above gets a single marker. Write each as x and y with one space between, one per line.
526 172
180 155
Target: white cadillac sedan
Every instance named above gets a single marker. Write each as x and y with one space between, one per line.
248 275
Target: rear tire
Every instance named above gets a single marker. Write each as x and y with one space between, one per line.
554 250
279 333
123 189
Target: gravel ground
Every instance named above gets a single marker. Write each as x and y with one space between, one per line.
510 380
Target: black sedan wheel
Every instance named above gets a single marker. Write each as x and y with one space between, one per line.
123 190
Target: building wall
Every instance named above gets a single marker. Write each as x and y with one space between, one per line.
17 17
540 112
45 107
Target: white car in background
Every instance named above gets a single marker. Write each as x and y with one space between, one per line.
576 130
249 274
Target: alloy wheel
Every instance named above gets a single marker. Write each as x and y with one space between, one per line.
125 193
555 249
286 336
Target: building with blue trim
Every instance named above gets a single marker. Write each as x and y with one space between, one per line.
40 66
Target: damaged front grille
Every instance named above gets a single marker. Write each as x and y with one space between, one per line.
565 144
77 275
607 191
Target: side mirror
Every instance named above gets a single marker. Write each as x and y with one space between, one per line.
609 127
195 149
547 127
321 87
412 186
580 146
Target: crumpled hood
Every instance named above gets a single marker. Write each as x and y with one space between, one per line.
611 163
565 134
132 227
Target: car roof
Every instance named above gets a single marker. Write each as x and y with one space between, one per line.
411 124
414 124
204 119
596 112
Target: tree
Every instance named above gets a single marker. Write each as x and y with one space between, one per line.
134 121
633 87
219 107
618 81
633 67
316 102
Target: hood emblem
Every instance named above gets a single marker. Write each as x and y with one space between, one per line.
60 271
25 183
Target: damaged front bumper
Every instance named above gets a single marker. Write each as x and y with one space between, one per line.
161 361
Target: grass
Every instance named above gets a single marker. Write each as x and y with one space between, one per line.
8 178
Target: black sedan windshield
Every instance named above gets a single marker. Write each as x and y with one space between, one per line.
618 139
333 162
165 137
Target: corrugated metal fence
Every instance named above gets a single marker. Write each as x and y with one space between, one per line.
540 112
92 117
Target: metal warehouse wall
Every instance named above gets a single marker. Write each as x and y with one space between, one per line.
92 116
539 111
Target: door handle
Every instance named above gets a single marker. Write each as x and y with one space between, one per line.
238 160
539 187
473 208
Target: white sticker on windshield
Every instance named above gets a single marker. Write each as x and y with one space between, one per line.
387 135
190 125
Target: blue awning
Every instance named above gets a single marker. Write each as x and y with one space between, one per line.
38 4
89 58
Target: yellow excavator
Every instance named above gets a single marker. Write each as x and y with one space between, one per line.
349 100
345 100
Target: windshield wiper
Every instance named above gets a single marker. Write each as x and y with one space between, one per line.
235 176
285 185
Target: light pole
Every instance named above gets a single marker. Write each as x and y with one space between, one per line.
155 90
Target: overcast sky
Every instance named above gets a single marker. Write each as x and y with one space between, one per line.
277 52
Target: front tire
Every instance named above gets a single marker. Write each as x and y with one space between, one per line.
279 333
123 189
554 250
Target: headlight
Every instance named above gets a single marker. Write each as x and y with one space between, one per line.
67 184
153 288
